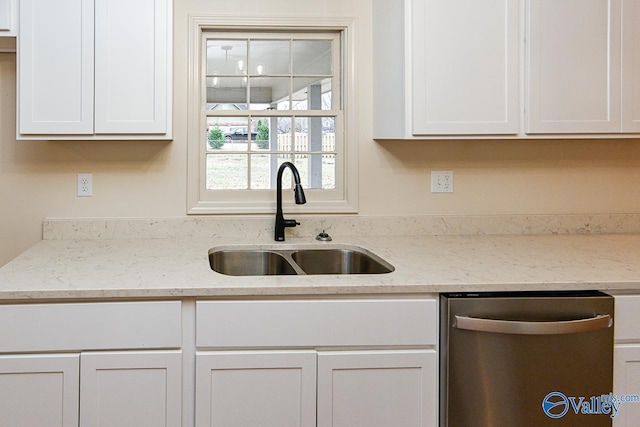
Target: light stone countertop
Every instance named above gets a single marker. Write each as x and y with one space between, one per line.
178 267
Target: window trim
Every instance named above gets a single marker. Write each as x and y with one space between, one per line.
196 205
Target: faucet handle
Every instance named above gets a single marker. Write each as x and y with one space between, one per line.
290 223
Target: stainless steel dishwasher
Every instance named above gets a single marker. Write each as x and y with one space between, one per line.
526 359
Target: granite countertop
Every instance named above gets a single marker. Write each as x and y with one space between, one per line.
173 267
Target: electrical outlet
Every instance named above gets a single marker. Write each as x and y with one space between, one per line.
442 181
85 185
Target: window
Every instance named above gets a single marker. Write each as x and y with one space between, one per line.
265 97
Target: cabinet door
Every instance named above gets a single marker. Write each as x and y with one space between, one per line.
260 389
630 66
626 380
131 389
55 67
39 390
6 17
132 73
573 54
377 389
465 73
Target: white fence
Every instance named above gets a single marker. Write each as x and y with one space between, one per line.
302 142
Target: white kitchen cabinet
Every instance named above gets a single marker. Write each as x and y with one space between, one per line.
247 388
574 57
278 362
377 388
39 390
282 388
131 389
626 381
55 67
108 389
95 69
465 67
137 387
8 18
626 358
506 69
132 73
445 68
630 66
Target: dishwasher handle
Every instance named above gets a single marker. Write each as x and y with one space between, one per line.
601 321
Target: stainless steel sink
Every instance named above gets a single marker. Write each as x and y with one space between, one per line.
262 261
340 261
249 263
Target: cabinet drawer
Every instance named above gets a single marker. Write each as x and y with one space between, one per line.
90 326
316 323
627 318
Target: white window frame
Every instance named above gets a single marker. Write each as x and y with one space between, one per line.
199 200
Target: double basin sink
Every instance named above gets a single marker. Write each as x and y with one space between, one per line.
265 261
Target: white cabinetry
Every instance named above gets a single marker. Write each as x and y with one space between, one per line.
445 68
627 381
509 69
131 389
87 388
94 69
464 72
377 388
574 59
39 390
626 358
630 66
248 388
55 67
311 362
132 72
8 18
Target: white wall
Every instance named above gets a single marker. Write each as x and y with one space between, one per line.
148 179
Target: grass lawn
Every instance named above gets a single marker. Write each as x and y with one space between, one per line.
229 171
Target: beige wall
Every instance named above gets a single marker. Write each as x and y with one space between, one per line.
148 179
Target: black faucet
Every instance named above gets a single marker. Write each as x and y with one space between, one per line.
282 223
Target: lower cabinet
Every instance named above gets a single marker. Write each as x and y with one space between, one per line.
323 389
266 389
377 388
39 390
627 383
626 360
131 389
365 362
119 389
102 364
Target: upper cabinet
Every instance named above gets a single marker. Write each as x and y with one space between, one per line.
574 59
464 71
8 18
630 66
506 68
443 67
94 69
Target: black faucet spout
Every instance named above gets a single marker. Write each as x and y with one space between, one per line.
281 222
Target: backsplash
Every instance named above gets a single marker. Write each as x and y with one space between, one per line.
262 227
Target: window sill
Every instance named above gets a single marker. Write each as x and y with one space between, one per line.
253 208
